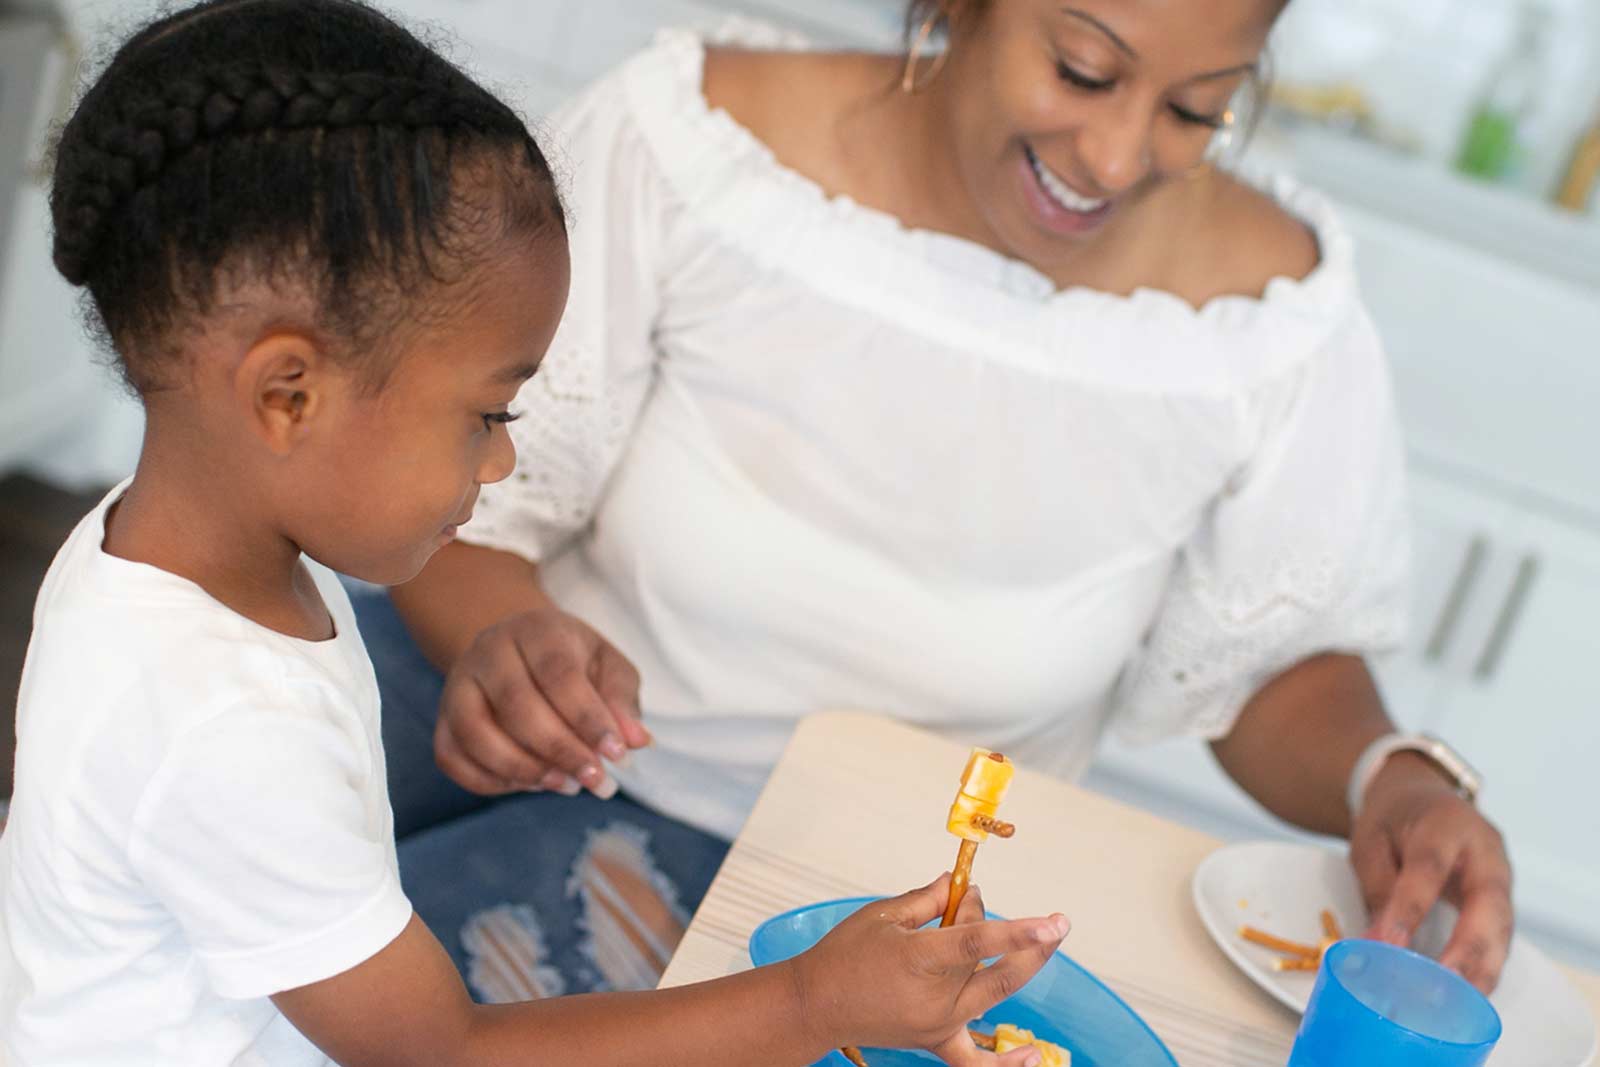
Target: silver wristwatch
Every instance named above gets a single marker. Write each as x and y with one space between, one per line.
1469 783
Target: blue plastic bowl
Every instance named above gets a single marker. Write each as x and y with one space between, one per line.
1064 1003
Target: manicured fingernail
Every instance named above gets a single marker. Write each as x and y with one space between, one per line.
569 788
1034 1058
612 748
606 789
553 781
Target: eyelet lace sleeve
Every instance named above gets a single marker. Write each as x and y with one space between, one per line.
578 412
1306 551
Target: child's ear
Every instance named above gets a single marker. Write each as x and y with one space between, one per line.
282 383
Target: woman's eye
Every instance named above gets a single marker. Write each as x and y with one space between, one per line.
491 419
1082 81
1194 118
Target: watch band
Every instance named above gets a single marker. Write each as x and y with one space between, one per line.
1468 781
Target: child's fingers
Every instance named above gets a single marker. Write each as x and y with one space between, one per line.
971 909
959 1051
919 906
990 985
968 943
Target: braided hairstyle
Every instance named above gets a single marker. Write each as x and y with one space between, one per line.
310 142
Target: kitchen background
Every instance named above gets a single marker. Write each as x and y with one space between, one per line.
1462 139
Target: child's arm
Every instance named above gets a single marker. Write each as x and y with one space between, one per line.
877 980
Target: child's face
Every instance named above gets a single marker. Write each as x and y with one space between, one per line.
399 468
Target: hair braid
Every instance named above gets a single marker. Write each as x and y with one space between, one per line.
102 170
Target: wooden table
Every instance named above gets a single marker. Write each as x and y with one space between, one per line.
856 806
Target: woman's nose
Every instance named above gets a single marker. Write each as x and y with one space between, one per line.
1116 152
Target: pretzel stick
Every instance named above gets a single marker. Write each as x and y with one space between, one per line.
982 1040
1330 926
960 878
997 827
986 789
1278 944
1299 963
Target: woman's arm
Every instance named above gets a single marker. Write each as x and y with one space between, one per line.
1415 839
462 592
1297 740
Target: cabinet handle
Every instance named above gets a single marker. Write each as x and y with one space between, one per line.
1506 621
1444 629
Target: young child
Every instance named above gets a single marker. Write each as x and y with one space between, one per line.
326 260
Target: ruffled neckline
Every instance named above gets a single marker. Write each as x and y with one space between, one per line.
733 182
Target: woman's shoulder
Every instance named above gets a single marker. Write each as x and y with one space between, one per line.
1248 239
793 101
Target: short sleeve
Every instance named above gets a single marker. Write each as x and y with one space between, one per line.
258 834
1305 551
579 411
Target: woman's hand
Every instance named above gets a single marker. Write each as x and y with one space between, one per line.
1417 841
879 979
535 702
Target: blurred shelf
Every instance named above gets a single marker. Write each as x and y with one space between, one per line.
1418 192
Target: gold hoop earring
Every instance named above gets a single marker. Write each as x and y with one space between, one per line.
909 82
1223 139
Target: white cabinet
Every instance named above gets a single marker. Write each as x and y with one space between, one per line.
1527 710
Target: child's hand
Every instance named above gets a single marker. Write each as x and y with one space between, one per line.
877 979
535 702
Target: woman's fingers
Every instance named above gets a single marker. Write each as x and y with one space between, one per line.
472 748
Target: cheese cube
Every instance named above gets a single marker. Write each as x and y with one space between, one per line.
983 787
1008 1038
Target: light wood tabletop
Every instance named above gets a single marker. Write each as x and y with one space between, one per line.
856 806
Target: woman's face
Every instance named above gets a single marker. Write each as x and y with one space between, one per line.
1065 113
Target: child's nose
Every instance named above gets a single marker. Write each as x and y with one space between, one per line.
500 460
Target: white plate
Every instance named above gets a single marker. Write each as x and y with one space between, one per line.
1282 888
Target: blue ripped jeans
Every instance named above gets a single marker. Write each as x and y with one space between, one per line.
537 894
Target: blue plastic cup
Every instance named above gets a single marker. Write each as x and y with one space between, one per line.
1381 1006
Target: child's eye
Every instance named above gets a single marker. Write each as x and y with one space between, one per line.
1082 81
493 418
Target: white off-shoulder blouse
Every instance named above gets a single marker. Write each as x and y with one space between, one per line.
790 455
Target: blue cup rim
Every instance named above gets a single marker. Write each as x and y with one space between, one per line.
858 902
1350 944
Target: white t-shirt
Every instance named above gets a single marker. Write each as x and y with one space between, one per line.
791 455
200 820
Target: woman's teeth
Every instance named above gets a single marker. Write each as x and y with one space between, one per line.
1060 192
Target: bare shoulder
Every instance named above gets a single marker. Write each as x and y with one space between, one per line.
1250 239
792 101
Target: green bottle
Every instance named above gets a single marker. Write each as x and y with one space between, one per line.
1491 148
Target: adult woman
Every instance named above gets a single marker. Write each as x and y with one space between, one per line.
963 389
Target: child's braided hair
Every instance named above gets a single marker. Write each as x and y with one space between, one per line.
312 141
